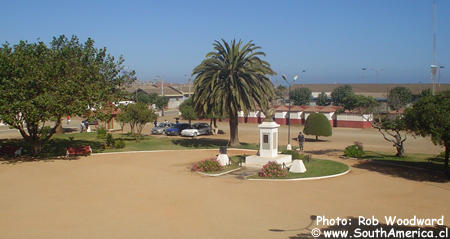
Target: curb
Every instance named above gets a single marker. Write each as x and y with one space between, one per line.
300 179
218 174
167 150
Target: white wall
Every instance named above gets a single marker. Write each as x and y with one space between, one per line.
354 117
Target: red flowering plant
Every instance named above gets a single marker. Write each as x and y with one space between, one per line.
272 170
208 165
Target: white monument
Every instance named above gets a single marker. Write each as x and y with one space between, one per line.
268 147
297 167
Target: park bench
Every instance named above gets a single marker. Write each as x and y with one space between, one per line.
11 151
78 151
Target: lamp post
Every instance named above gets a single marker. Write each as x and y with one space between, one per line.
189 85
288 146
377 72
362 75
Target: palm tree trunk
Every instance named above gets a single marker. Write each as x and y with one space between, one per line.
234 133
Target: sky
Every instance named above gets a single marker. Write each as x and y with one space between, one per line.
325 41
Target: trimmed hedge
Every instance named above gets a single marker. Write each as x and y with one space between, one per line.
317 124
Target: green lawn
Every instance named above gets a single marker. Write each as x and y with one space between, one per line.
315 168
58 143
412 160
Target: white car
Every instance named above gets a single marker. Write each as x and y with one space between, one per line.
197 129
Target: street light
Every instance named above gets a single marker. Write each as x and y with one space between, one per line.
288 146
189 84
377 72
362 75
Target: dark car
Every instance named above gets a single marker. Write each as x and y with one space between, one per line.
92 122
177 128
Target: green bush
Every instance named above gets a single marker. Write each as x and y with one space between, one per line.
109 140
295 154
209 165
271 170
355 151
317 124
101 132
119 144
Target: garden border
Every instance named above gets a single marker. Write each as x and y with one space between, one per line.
218 174
299 179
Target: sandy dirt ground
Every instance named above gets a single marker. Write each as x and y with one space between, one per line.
154 195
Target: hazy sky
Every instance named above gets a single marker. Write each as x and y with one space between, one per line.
331 40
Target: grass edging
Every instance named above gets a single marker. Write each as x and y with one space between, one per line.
165 150
298 179
218 174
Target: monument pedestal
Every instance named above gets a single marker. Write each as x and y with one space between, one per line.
259 161
268 147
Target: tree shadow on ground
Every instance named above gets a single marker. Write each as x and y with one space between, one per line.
200 142
417 171
323 151
54 149
382 228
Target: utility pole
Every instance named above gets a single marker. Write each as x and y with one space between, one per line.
434 67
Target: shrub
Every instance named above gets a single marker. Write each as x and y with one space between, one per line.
101 132
119 144
295 154
209 165
109 140
317 124
271 170
355 151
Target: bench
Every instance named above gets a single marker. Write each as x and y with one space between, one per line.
78 151
11 151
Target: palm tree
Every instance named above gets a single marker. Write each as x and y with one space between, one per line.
230 79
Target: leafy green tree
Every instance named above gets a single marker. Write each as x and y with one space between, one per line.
161 102
137 116
430 116
317 124
233 77
360 102
322 99
280 91
40 84
187 110
399 97
301 96
391 127
340 93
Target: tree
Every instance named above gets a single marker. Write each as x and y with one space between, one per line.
340 93
233 77
390 126
429 116
399 97
322 99
301 96
40 84
137 115
317 124
187 110
280 91
161 102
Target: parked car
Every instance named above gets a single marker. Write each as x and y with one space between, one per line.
197 129
92 122
177 128
161 128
